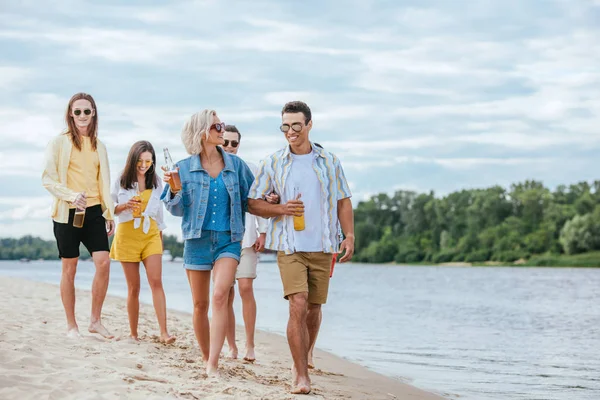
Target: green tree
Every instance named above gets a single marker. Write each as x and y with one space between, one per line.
580 234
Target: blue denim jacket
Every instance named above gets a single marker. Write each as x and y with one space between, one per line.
191 202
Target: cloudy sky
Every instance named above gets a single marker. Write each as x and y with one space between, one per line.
417 95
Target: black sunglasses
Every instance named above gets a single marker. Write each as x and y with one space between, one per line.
87 111
296 127
234 143
218 127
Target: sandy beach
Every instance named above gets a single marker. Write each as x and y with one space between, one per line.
38 361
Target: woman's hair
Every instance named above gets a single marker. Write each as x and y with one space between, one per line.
72 129
197 127
130 172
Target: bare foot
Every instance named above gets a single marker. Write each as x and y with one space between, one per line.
311 363
73 333
97 327
212 371
165 338
303 387
250 356
233 353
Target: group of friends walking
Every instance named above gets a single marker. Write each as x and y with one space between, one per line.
297 203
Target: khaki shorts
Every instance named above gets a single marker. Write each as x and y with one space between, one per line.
305 272
247 266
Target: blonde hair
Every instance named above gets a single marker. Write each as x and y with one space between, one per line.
197 127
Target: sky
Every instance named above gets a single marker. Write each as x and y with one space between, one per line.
415 95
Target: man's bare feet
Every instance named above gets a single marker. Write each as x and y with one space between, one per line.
97 327
303 387
250 356
73 333
165 338
299 385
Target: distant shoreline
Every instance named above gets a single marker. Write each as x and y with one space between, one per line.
552 262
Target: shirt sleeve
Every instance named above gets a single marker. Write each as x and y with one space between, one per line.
114 193
246 178
50 178
173 205
343 189
263 224
160 214
262 185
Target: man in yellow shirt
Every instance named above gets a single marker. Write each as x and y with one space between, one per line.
77 175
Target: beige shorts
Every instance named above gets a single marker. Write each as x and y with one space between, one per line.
305 272
247 266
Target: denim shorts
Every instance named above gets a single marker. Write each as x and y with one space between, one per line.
201 254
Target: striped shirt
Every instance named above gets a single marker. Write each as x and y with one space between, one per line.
272 176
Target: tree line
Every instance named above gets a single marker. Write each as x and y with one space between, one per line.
479 225
528 221
35 248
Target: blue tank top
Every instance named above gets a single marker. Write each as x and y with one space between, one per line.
218 211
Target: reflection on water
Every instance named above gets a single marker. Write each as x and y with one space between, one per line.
468 333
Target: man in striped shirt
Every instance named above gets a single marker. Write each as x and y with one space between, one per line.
311 184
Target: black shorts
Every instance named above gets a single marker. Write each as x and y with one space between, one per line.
93 234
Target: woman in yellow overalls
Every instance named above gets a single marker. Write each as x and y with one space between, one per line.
139 233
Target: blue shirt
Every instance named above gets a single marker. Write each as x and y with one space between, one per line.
217 211
192 200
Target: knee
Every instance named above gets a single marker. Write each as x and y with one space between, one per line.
103 266
134 291
155 284
231 297
314 308
246 290
298 304
201 307
220 297
69 271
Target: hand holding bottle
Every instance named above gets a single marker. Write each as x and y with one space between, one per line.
80 201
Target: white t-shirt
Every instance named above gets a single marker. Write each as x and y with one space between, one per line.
303 176
253 222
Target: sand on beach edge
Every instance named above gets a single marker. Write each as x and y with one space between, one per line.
38 361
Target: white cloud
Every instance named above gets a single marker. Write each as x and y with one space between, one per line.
12 77
115 45
25 208
435 96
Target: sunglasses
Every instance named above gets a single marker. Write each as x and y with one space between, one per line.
87 111
144 162
218 127
296 127
234 143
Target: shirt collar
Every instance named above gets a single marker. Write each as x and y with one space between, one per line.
196 165
317 151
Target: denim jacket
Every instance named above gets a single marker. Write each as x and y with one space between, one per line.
191 201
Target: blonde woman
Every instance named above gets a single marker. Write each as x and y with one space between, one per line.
212 202
139 233
77 175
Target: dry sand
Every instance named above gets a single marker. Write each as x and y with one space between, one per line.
38 362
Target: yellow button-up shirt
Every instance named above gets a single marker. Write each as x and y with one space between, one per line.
54 178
